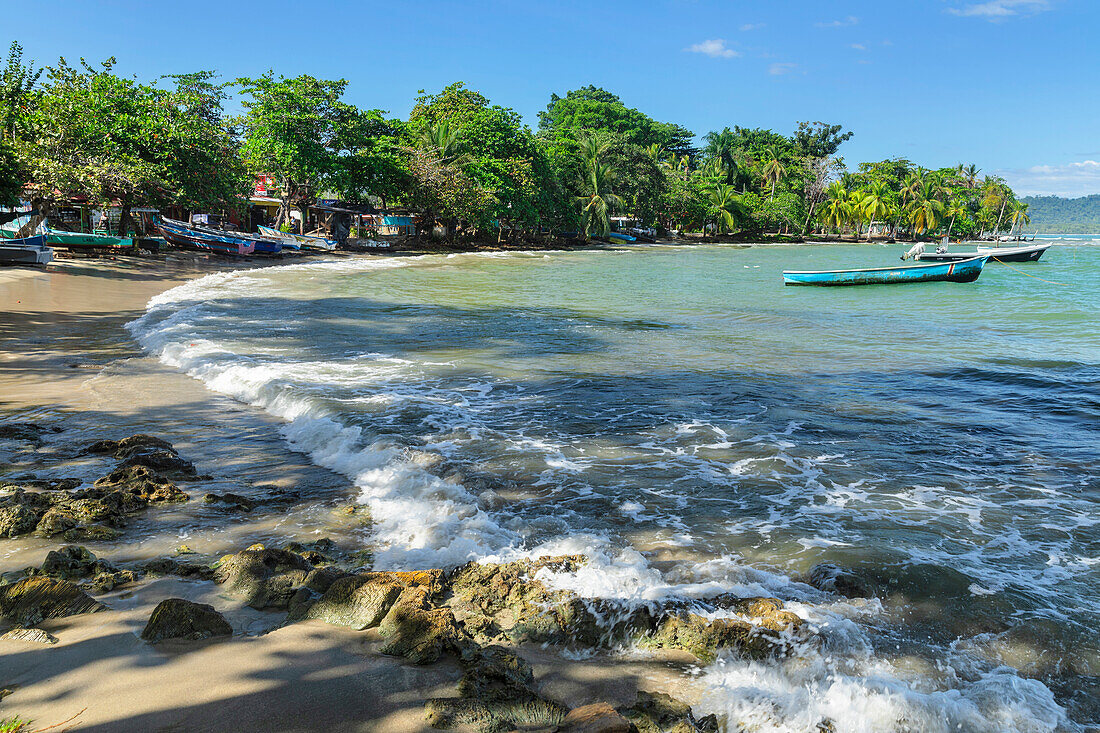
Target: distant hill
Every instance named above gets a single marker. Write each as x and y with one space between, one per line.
1056 215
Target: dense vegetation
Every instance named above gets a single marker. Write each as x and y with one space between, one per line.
1056 215
466 165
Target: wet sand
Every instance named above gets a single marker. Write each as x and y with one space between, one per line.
67 362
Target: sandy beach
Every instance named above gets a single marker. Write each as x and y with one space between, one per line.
69 365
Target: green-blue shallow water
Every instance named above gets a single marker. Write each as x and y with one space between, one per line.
701 429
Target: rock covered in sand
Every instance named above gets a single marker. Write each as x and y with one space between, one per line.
32 600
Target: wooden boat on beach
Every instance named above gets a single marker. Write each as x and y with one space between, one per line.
25 251
203 240
964 271
998 254
306 241
69 240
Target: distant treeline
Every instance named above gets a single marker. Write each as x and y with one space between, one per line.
1056 215
80 132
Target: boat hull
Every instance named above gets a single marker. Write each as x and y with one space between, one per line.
25 251
181 235
1014 254
75 240
958 272
1005 254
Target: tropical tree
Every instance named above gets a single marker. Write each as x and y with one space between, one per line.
722 148
292 130
835 212
596 199
956 207
925 214
1020 217
726 207
774 170
875 203
443 139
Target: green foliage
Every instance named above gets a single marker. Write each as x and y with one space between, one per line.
14 725
12 176
818 139
591 110
1057 215
16 90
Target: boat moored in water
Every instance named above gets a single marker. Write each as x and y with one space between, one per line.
25 251
998 254
307 241
964 271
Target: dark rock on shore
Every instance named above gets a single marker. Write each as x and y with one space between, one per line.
142 483
234 502
33 600
179 568
26 431
598 717
148 451
36 636
17 519
835 579
655 712
176 618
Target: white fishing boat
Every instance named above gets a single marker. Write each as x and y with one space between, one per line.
25 251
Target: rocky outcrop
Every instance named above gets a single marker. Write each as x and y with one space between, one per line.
177 618
233 502
495 694
32 600
71 562
655 712
28 432
148 451
78 514
758 632
264 578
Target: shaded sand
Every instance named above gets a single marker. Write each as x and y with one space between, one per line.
67 362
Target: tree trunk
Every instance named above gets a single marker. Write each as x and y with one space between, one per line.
43 208
998 228
124 219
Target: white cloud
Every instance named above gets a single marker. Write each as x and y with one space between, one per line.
782 68
751 26
1000 9
850 20
715 48
859 47
1074 179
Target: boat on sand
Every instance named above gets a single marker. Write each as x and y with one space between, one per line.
25 251
964 271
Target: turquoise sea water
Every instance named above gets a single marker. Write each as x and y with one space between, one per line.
698 428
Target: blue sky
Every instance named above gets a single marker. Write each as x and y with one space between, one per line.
1011 85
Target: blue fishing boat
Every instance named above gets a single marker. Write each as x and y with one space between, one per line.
621 237
964 271
301 240
204 240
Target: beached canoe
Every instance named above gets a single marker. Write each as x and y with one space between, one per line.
188 237
25 251
621 237
997 254
959 272
308 241
68 240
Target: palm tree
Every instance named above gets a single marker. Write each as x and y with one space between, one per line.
835 212
656 153
956 207
444 140
727 207
1019 215
970 175
925 213
715 170
723 146
596 200
773 169
875 202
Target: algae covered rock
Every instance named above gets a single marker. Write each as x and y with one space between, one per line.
358 601
233 502
32 600
143 484
655 712
115 447
177 618
497 601
57 520
183 569
496 694
71 561
264 578
416 631
17 519
757 637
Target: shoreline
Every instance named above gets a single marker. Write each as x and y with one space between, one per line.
69 364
